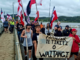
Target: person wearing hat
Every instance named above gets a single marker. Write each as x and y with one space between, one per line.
58 32
75 47
28 35
66 31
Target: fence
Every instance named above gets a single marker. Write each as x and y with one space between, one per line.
17 50
1 28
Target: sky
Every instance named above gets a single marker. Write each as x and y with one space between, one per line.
63 7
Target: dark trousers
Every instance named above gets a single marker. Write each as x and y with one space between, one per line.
11 28
33 55
19 35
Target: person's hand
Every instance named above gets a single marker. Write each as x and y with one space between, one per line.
25 36
73 38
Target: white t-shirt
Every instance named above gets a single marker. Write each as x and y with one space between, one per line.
48 31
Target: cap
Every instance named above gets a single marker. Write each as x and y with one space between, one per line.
74 30
67 26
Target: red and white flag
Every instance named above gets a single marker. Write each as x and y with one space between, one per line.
19 10
54 17
2 16
40 3
25 13
37 17
9 17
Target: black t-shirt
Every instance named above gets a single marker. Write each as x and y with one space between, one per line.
58 33
66 32
43 30
19 26
35 37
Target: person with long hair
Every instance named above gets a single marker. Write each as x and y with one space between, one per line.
48 29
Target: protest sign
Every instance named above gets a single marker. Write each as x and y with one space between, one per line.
53 47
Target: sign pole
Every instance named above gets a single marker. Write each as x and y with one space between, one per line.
25 27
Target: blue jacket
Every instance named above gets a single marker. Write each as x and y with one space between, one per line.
5 24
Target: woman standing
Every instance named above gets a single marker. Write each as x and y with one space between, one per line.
48 29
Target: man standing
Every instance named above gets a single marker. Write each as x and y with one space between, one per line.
58 24
19 29
11 26
66 31
27 35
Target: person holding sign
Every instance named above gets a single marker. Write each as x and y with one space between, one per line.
35 41
75 47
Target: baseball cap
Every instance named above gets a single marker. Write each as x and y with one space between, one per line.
74 30
67 26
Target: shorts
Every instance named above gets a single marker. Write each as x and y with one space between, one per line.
6 27
74 53
29 48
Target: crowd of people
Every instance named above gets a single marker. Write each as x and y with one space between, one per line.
32 31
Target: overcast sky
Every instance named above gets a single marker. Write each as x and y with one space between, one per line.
63 7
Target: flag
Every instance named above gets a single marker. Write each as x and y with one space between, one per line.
54 17
2 16
19 10
28 9
32 2
9 17
40 3
28 20
37 17
25 13
22 22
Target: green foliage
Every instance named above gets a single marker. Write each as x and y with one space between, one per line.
47 19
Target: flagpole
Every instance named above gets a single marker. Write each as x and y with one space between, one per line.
49 7
13 10
36 9
25 26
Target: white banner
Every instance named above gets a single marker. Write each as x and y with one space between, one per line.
53 47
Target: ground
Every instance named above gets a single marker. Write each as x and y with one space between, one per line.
6 47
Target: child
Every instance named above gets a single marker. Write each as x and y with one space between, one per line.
35 41
75 47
